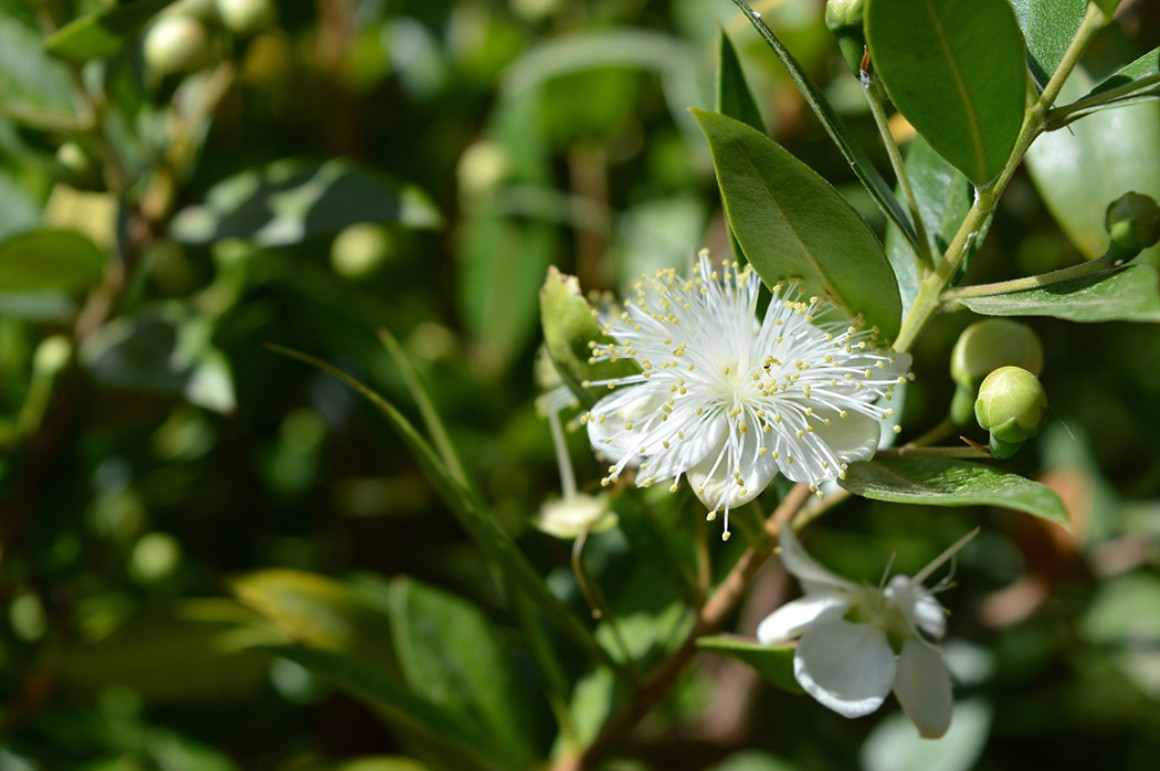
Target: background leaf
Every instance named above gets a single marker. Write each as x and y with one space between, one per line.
1126 294
969 106
288 200
27 75
774 663
103 33
792 223
1081 169
50 260
947 482
449 653
1048 27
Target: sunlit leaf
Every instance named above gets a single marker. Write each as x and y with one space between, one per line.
291 199
949 482
863 167
793 224
773 662
1048 27
968 105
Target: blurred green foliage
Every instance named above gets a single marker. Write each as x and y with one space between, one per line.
206 547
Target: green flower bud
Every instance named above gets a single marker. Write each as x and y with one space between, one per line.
984 347
1133 224
570 331
361 249
1012 405
247 17
78 168
844 19
52 356
177 45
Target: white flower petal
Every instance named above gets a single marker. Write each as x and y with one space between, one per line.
923 688
922 610
847 667
812 576
713 478
793 618
569 517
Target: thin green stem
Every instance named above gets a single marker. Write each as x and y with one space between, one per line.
597 602
1028 282
924 260
1061 116
932 452
929 298
45 120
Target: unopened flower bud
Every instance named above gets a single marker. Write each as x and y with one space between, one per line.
247 17
360 249
570 516
52 356
986 346
78 168
1133 224
1012 405
844 19
177 44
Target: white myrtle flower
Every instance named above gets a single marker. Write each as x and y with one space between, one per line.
730 400
857 642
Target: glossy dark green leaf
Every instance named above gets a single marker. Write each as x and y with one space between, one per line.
793 224
430 631
1048 27
733 95
863 167
453 742
944 197
102 33
773 662
471 514
288 200
50 261
1127 294
161 349
1079 170
1135 83
949 482
964 95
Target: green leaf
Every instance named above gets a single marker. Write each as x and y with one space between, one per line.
27 76
1126 294
450 655
792 223
733 95
319 612
1080 170
376 763
288 200
1048 27
1135 83
964 97
50 261
161 349
863 167
948 482
101 34
170 656
569 329
447 738
501 263
773 662
472 515
944 198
